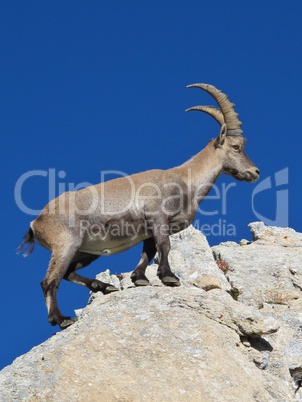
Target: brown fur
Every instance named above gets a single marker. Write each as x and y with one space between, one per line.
151 205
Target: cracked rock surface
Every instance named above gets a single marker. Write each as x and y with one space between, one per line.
190 343
268 276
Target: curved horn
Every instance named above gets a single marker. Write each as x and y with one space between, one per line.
226 107
211 110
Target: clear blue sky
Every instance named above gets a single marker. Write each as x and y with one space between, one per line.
91 86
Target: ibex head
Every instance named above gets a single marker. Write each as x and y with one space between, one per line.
229 143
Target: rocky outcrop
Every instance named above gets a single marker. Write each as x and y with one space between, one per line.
191 343
267 274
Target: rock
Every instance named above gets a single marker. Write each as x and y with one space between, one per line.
190 343
286 237
191 258
150 343
245 320
244 242
268 275
272 271
207 282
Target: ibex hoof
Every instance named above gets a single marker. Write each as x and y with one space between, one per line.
67 322
110 289
98 286
139 279
142 282
170 281
61 320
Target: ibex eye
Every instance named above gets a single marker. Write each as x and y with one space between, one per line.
236 147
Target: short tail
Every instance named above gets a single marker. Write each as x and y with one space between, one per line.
29 240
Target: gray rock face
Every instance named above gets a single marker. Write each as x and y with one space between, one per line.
268 276
191 343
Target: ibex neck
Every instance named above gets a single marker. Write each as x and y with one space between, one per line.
202 171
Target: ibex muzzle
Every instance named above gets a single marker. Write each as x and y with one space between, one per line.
110 217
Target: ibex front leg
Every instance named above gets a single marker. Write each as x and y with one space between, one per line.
162 241
138 276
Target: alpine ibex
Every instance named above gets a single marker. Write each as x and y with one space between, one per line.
147 207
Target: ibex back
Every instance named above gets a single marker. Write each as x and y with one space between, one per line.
110 217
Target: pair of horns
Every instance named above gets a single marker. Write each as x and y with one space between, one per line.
225 114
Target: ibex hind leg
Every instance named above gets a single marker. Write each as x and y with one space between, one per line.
82 260
60 261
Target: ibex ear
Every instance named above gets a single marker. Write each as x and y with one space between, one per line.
221 137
